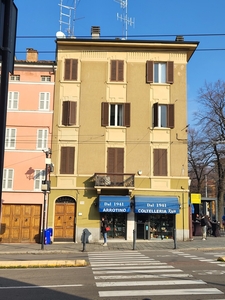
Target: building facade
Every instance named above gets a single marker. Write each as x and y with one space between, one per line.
28 133
119 142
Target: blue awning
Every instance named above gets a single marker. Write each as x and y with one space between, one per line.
156 205
114 204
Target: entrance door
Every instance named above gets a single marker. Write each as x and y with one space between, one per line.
64 227
20 223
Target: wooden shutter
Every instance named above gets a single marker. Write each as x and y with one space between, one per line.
70 69
116 164
120 64
67 160
113 70
155 114
170 115
105 114
149 71
69 113
160 162
170 72
126 117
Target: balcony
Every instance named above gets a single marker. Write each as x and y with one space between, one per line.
115 180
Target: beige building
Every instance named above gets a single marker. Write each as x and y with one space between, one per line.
119 143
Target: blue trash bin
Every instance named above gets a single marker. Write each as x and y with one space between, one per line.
47 237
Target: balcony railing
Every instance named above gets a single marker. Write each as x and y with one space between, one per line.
114 180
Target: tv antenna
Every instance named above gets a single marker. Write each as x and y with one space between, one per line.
68 17
124 16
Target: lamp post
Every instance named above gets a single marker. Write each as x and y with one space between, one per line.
45 188
183 209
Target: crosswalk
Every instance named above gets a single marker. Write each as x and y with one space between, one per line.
132 274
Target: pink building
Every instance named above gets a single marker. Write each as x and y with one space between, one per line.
28 133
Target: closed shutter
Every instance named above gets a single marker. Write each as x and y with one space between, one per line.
155 114
105 114
116 164
113 70
67 160
149 71
170 72
160 162
70 69
120 70
170 115
69 113
127 114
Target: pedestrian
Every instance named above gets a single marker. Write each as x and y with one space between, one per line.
203 226
104 224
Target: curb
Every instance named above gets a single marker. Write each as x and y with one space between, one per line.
43 264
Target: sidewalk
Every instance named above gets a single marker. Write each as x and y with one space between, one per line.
116 245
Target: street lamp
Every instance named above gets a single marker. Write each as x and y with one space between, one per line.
45 188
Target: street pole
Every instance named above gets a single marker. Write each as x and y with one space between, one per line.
183 209
45 189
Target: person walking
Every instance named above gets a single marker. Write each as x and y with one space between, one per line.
104 224
203 226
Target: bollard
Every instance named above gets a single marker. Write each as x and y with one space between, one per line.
84 240
175 238
134 240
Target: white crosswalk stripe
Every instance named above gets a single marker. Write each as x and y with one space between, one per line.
126 274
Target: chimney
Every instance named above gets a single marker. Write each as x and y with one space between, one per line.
95 32
32 55
179 38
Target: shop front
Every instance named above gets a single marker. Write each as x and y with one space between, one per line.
155 216
115 208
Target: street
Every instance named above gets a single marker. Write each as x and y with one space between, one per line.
135 275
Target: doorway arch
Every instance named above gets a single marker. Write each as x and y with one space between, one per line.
64 224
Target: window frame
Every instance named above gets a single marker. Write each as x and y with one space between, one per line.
6 180
42 139
67 159
106 118
9 138
69 113
12 100
46 78
14 77
169 72
45 101
157 115
116 70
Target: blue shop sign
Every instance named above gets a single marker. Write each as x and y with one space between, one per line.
156 205
114 204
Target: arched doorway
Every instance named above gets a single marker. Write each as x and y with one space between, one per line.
64 225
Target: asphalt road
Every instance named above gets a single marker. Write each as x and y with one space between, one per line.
133 275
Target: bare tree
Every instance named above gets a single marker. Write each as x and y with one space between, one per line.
211 121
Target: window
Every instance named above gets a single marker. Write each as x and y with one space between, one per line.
71 69
44 99
163 115
15 77
45 78
115 165
7 183
67 160
13 98
42 139
10 138
160 162
159 72
115 114
39 176
69 113
117 70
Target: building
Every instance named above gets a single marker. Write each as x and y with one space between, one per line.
28 133
119 142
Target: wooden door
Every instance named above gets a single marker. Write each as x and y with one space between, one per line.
20 223
64 227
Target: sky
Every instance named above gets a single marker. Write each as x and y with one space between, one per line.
197 20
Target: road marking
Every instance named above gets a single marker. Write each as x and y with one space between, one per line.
39 286
127 264
137 271
207 260
162 292
142 276
149 283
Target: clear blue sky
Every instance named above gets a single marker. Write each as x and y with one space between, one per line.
197 20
